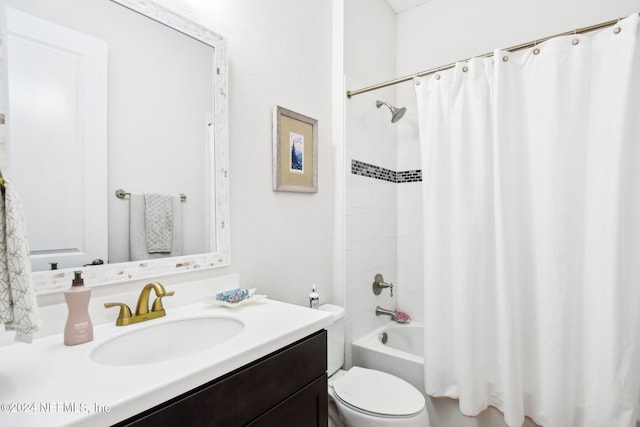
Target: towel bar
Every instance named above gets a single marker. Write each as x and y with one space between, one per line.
121 194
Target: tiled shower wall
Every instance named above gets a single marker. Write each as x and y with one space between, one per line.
381 218
370 215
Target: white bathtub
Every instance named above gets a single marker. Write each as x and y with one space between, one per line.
401 356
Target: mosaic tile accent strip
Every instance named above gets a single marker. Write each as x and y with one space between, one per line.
409 176
377 172
372 171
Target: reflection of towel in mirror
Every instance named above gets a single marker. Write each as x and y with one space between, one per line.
158 223
18 305
137 229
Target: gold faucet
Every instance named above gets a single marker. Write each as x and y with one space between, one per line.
142 307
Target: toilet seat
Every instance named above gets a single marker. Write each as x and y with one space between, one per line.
378 393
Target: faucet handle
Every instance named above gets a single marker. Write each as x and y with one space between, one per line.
157 303
379 284
125 311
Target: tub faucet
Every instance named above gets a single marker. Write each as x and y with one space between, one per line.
391 313
403 318
379 284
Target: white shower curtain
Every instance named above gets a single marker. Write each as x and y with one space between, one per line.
531 177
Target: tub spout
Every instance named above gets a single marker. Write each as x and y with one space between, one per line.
393 314
390 313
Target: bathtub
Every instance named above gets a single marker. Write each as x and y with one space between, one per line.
402 355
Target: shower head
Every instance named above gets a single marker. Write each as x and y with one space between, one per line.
396 113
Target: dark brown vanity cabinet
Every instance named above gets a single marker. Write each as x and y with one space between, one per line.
285 388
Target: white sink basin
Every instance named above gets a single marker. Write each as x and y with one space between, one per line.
165 341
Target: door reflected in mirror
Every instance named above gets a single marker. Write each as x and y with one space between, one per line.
147 116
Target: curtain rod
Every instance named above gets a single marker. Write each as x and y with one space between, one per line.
516 48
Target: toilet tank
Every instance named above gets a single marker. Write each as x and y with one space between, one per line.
335 338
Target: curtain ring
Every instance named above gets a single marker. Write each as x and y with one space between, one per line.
617 30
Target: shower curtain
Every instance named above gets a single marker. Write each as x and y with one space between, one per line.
531 191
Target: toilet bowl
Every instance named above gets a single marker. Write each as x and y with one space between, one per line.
371 398
368 397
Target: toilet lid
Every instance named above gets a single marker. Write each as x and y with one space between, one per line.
378 392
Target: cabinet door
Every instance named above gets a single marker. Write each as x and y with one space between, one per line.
308 407
279 383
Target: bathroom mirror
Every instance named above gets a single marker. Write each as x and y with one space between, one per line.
139 160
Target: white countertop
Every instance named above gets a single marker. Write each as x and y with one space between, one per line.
48 383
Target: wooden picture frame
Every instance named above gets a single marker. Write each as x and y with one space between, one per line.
295 152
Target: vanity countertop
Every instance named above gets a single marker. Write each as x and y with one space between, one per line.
48 383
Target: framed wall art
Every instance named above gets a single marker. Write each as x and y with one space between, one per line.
295 152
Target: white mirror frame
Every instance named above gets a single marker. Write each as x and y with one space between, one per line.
54 281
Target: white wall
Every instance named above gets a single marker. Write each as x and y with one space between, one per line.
370 215
370 212
280 53
370 43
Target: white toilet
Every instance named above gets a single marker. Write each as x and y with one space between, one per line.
367 397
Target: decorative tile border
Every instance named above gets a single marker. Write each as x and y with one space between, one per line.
372 171
409 176
376 172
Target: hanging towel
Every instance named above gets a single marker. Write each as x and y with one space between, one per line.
158 223
18 304
138 231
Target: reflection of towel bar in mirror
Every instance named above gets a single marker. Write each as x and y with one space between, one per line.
121 194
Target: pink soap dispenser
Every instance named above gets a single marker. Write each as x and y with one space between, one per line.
79 328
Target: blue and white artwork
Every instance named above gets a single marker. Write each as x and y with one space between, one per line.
296 141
